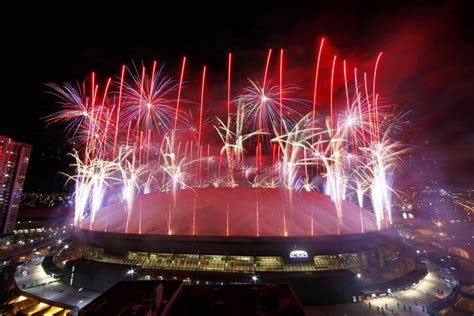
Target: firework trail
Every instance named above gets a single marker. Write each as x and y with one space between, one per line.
292 145
131 137
148 101
264 108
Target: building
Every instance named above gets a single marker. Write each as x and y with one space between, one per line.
322 270
232 236
14 158
173 297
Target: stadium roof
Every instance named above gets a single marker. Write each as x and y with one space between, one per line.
234 212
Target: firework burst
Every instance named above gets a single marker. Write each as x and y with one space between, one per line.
129 140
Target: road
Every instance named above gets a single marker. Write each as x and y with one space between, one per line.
31 278
26 249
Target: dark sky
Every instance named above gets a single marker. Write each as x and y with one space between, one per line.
427 65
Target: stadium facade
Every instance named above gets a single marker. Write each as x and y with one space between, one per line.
242 235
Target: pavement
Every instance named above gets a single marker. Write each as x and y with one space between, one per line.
31 278
417 297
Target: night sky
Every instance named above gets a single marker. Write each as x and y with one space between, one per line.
427 66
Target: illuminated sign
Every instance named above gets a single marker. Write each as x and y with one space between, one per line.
298 254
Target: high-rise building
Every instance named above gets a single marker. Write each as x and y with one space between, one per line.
14 158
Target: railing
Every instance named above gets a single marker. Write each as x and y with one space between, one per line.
433 308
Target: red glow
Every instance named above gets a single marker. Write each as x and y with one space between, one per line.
345 84
332 85
122 77
181 77
233 212
202 103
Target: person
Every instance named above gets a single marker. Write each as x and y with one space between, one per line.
370 305
404 308
398 304
409 308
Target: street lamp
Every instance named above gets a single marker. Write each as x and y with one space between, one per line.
131 272
254 279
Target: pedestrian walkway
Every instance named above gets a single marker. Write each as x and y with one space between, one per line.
31 278
437 284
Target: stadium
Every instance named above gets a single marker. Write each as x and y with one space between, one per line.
160 193
243 235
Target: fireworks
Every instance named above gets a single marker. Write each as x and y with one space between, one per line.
292 144
263 107
132 138
148 101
